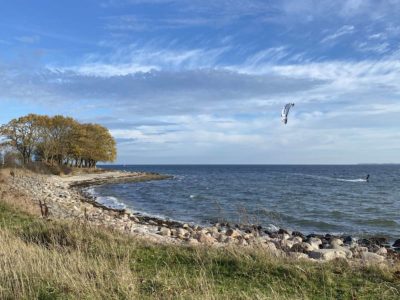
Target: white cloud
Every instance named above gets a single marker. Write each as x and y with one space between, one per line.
342 31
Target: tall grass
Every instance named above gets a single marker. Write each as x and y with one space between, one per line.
42 259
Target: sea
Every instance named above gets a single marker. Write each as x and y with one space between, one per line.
320 199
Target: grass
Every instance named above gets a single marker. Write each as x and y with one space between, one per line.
42 259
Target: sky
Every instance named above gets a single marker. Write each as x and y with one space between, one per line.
204 82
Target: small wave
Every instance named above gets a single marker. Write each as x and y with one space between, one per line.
330 178
351 180
111 202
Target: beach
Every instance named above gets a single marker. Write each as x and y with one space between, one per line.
64 197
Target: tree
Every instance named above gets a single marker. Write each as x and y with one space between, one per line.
59 140
23 135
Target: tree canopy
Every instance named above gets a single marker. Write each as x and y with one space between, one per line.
58 140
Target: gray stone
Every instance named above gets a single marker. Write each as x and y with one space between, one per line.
381 251
314 242
327 254
232 233
370 257
165 231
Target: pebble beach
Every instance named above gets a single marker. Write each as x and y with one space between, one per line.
64 197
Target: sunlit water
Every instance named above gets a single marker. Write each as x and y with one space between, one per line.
319 199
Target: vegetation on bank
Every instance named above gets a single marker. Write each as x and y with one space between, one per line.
42 259
58 141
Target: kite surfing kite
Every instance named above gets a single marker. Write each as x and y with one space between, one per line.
285 112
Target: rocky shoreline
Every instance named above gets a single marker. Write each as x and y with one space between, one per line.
64 198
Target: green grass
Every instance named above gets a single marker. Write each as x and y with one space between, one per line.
64 260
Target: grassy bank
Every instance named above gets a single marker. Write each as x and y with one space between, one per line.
58 260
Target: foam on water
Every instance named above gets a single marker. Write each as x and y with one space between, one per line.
108 201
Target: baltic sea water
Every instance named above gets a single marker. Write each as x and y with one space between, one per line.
308 198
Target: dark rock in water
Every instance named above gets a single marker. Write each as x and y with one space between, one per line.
378 240
298 233
314 235
257 227
267 232
273 235
282 231
328 237
348 240
396 244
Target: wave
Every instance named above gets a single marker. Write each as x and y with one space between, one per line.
109 201
330 178
352 180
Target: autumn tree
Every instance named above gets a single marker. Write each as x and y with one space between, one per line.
59 140
23 135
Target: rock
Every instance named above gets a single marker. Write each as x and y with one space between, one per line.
243 242
327 254
348 240
185 226
229 240
381 251
180 232
270 247
219 237
370 257
285 236
205 239
286 244
298 255
348 252
297 239
193 242
314 242
165 231
396 244
298 234
302 247
232 233
283 231
336 242
134 219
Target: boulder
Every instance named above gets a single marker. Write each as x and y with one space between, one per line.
193 242
270 247
314 242
396 244
336 242
232 233
165 231
381 251
298 255
205 238
302 247
297 239
348 252
180 232
286 244
327 254
283 231
298 234
370 257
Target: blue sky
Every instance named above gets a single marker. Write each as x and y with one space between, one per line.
204 81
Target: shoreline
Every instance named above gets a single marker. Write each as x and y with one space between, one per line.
65 199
